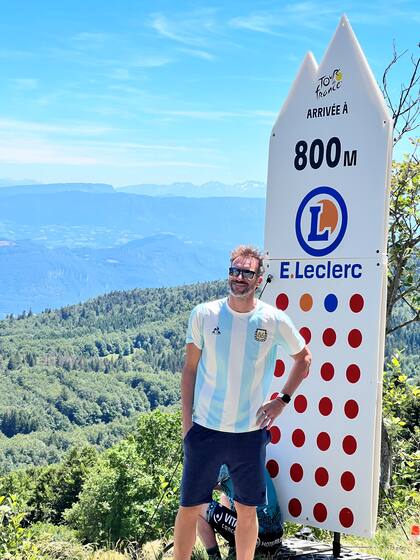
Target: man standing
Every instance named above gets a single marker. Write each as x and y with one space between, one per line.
230 356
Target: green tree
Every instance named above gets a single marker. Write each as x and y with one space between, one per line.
122 491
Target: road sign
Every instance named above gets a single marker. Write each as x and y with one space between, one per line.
325 241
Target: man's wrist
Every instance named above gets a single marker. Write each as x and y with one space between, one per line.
284 398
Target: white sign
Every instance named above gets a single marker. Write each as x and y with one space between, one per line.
325 240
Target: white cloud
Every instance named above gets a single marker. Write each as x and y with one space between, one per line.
10 125
25 83
215 115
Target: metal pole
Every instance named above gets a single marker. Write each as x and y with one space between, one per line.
336 545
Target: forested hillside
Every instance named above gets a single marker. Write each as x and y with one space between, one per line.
80 374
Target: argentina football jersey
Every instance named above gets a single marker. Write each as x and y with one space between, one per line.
231 385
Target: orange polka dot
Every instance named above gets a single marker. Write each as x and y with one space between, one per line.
306 302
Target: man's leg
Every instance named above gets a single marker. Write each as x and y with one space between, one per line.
185 531
246 531
206 533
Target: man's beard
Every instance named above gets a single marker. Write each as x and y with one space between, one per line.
241 294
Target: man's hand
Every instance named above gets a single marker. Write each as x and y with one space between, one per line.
186 427
268 412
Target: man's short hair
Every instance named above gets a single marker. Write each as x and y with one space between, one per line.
248 251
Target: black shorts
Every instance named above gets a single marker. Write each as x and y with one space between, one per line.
205 451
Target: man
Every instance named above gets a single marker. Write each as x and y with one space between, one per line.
221 518
229 363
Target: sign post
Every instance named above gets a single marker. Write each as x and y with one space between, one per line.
325 241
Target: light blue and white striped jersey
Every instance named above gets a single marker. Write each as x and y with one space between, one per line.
238 354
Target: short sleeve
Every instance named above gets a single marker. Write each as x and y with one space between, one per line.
289 337
194 330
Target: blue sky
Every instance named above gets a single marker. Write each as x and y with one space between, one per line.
133 92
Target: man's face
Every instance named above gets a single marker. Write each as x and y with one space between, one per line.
239 286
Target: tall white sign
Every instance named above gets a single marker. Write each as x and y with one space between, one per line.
325 240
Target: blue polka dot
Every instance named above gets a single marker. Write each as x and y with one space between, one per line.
331 302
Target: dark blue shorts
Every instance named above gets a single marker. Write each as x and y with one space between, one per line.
205 451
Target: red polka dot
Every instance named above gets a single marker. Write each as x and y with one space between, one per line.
321 476
273 396
295 507
325 406
346 517
356 303
273 468
327 371
275 434
353 373
282 302
347 481
329 337
279 369
320 512
323 441
296 472
349 445
300 403
298 437
306 333
351 409
355 338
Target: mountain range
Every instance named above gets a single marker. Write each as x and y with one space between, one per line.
63 243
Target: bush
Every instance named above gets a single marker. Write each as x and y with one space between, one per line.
121 492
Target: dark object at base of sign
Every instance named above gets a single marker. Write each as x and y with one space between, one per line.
312 550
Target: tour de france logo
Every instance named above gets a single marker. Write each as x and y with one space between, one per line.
321 221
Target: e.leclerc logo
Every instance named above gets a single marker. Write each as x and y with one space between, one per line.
321 223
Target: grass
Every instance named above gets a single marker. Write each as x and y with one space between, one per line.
60 543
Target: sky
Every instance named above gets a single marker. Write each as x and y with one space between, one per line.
133 92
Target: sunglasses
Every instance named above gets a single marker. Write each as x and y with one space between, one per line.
246 274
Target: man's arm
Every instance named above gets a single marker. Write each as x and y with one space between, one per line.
189 372
273 408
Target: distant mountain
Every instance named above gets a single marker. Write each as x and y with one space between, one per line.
34 277
248 189
62 215
59 246
52 188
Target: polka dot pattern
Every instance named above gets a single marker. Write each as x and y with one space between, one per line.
306 333
353 373
273 468
275 434
351 409
347 481
325 406
354 338
279 368
327 371
296 472
329 337
323 441
346 517
306 302
320 512
295 507
336 379
282 302
298 437
300 403
349 445
356 303
321 476
331 303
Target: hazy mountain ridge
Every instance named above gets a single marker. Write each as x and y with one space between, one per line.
35 277
247 189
